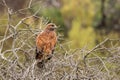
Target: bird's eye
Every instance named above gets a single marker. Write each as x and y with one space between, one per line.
52 25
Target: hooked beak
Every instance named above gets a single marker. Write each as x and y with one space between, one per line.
55 27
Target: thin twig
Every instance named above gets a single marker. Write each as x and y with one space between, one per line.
88 53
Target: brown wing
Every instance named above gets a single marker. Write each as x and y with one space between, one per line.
53 42
45 44
40 42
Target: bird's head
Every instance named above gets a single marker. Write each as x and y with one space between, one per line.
50 27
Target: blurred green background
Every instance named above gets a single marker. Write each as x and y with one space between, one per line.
84 23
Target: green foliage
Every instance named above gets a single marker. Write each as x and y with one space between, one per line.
82 13
52 14
82 36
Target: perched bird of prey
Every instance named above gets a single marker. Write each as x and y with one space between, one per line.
45 44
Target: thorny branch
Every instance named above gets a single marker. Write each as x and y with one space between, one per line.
88 53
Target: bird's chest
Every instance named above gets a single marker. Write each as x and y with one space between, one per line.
49 37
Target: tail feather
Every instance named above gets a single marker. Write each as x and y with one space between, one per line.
40 64
38 54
